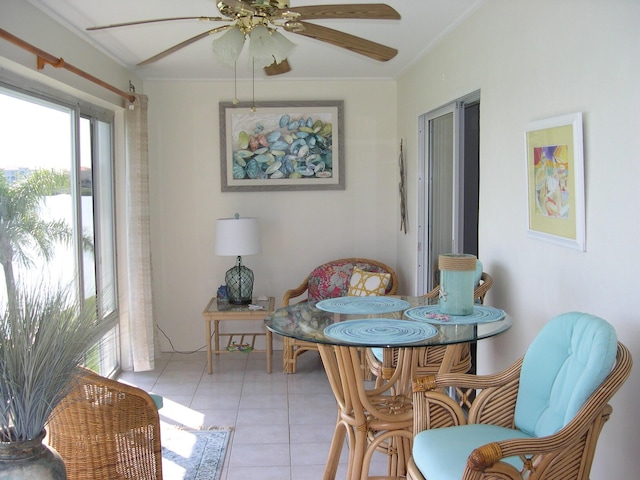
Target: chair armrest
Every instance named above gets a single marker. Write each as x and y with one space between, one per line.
482 289
538 453
295 292
487 398
466 380
433 293
433 409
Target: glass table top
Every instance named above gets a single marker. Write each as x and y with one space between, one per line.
305 321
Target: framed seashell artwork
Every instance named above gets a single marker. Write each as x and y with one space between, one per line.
288 145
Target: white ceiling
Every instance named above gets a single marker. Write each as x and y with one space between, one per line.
423 23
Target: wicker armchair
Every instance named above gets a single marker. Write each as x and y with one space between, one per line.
382 362
329 280
538 419
106 430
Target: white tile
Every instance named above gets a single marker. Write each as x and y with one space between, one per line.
309 453
312 433
213 389
282 424
261 473
252 455
217 417
260 434
269 400
223 376
300 415
263 416
312 401
222 401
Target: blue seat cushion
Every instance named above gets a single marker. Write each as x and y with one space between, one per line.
157 399
377 352
441 453
563 366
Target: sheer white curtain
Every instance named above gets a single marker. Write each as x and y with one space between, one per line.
136 312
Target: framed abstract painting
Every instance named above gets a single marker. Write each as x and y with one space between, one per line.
555 180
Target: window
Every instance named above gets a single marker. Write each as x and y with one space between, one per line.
67 236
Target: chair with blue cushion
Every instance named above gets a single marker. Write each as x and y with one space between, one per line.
538 419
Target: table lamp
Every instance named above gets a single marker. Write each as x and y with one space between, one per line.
236 237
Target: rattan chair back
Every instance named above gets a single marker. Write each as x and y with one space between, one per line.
107 430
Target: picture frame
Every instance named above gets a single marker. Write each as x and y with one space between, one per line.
282 145
555 181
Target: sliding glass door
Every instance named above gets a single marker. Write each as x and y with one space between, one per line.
449 181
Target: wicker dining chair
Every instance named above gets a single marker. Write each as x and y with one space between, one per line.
381 362
107 430
329 280
539 419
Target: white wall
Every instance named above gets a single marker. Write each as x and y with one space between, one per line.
534 60
299 230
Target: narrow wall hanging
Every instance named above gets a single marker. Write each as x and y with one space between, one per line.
403 193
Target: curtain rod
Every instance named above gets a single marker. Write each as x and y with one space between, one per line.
43 58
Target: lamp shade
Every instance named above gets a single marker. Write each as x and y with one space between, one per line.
237 236
229 45
266 46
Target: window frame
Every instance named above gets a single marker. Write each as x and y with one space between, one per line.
31 90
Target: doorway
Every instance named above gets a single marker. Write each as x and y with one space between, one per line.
448 196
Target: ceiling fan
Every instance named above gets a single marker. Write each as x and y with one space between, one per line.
259 20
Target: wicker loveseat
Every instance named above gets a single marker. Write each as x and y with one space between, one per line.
329 280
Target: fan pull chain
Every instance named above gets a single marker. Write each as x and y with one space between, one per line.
253 84
235 84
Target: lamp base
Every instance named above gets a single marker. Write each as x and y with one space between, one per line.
239 284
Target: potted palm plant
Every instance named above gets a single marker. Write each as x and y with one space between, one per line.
44 336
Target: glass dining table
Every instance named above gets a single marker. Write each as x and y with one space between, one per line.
379 418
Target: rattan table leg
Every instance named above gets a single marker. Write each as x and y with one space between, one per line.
269 340
209 353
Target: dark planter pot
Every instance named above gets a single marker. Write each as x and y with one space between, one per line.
30 459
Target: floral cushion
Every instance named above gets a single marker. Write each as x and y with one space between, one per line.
331 280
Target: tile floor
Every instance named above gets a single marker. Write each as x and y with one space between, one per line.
282 424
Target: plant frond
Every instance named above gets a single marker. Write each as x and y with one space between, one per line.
41 346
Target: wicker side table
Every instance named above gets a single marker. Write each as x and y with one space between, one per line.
215 312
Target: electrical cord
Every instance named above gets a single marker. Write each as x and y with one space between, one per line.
173 349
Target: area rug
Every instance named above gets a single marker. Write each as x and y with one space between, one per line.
193 454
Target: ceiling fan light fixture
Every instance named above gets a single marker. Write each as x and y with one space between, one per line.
283 46
264 48
229 45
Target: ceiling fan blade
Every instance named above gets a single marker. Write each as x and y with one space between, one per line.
350 42
365 10
181 45
157 20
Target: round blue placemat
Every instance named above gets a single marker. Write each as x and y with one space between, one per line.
431 314
363 305
380 332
